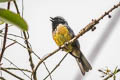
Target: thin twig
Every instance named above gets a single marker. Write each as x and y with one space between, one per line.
25 70
15 41
4 28
28 47
10 44
55 67
111 75
48 70
16 36
29 51
11 73
43 63
34 71
26 41
83 31
16 67
5 37
2 78
22 46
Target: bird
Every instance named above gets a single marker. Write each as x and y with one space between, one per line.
62 33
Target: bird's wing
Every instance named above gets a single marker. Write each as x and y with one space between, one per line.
76 43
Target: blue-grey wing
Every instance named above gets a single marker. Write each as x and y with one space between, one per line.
76 43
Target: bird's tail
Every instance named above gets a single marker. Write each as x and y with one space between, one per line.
83 64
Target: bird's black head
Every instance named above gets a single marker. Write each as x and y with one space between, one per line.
56 21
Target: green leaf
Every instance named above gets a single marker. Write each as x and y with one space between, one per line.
13 18
5 1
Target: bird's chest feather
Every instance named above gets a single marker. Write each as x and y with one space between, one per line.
62 35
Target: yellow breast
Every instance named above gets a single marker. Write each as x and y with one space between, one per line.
62 35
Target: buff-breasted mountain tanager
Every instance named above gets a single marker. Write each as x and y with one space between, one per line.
63 33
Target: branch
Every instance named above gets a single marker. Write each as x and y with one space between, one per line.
25 70
10 44
83 31
16 42
28 46
55 67
43 63
14 35
16 67
27 43
34 71
112 74
2 78
5 37
47 70
11 73
29 51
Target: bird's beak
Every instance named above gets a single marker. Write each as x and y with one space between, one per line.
51 19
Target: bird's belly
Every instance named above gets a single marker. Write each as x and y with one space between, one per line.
61 37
